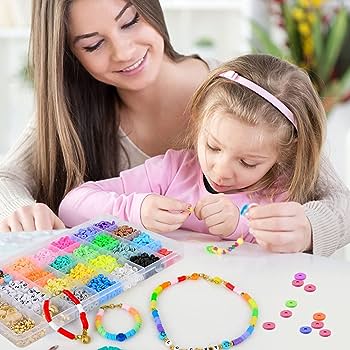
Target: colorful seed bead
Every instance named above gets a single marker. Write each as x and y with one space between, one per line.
105 241
38 275
22 265
80 293
144 259
124 231
125 249
226 344
106 225
85 251
121 337
63 263
45 256
106 263
100 282
82 272
65 242
57 285
85 233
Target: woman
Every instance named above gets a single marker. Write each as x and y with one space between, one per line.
111 92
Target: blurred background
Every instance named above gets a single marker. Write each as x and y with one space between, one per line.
314 34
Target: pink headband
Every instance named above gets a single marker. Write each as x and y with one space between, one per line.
232 75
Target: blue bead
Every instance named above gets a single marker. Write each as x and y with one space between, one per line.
244 209
226 344
250 329
305 330
121 337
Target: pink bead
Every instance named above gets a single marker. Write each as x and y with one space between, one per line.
286 313
325 332
297 283
310 288
317 324
269 326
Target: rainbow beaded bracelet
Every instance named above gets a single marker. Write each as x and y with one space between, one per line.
120 336
225 344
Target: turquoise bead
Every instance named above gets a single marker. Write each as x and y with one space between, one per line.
226 344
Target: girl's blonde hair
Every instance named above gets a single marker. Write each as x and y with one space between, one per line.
77 116
297 168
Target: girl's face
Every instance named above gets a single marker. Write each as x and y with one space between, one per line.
234 155
114 44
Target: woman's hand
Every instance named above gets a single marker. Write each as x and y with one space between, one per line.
36 217
219 214
281 227
163 214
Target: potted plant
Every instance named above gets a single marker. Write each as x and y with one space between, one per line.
316 35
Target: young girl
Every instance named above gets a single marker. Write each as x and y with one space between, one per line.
256 132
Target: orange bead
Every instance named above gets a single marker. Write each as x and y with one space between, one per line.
194 276
319 316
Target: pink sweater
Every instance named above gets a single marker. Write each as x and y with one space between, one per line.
176 174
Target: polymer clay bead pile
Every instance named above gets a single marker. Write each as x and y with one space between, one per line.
94 262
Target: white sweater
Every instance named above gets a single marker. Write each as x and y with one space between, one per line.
329 216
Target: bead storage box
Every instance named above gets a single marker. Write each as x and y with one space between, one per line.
96 261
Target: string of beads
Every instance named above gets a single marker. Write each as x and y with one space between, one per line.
120 336
225 344
85 339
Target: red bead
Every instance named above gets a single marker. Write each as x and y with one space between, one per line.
181 278
84 320
229 286
47 313
66 333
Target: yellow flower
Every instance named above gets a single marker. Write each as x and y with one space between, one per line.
298 14
311 17
317 3
304 29
308 47
304 3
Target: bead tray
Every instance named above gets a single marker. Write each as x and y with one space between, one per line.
90 260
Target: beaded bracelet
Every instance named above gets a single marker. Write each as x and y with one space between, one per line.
217 250
85 339
120 336
226 344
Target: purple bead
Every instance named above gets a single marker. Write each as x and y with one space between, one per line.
160 328
238 340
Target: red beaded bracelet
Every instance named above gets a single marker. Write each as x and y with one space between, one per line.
82 315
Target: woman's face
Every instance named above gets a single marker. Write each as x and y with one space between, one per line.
114 44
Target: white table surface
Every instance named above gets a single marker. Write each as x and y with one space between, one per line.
197 313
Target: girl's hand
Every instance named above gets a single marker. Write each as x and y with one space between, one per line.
219 214
36 217
163 214
281 227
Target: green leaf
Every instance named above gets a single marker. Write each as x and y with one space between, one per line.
265 42
293 34
344 83
318 39
334 44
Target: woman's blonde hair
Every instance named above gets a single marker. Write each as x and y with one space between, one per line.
297 168
77 116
